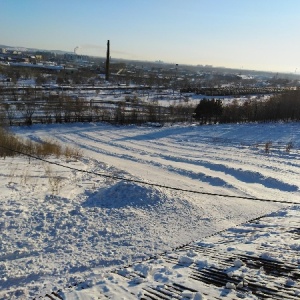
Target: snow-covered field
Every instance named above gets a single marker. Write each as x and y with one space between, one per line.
60 226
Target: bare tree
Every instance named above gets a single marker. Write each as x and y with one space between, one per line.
10 112
27 109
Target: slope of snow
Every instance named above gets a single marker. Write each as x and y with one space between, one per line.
59 226
252 261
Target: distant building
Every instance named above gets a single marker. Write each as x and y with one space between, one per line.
76 57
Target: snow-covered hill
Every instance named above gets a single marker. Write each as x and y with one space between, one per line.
59 226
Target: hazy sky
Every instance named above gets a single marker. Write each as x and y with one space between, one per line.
248 34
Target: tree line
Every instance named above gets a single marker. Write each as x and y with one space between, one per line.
284 107
28 108
281 107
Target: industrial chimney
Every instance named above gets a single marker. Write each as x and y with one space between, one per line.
107 62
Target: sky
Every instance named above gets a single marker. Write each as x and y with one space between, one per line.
244 34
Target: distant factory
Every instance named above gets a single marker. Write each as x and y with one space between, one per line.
76 58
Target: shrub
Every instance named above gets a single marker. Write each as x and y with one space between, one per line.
11 145
268 147
288 147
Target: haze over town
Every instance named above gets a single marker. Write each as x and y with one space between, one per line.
257 35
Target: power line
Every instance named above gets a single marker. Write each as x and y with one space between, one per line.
147 183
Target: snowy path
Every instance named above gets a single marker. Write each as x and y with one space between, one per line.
195 160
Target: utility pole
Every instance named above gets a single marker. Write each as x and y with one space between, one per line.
175 79
107 62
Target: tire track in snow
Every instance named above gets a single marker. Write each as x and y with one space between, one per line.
248 176
216 175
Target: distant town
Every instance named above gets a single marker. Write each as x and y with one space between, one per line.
144 72
54 87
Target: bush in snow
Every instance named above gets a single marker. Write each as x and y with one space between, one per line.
13 145
288 147
268 147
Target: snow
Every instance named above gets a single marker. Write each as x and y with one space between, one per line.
70 226
159 274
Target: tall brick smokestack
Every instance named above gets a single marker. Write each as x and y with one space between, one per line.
107 62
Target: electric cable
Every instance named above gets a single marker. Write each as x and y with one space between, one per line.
148 183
